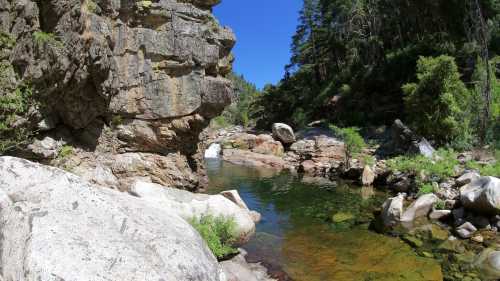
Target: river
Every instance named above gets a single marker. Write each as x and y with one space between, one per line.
316 230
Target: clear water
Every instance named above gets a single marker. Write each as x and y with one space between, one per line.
298 240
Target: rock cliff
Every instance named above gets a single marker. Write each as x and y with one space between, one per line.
129 84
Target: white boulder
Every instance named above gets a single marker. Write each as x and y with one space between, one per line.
392 209
420 208
55 226
482 195
190 205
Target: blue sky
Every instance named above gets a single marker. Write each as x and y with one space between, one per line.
264 29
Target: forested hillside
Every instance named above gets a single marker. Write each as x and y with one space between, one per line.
368 62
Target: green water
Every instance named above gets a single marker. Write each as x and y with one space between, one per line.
298 238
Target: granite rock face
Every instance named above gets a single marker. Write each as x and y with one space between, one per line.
123 76
55 226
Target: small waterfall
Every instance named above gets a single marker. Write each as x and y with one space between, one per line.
213 151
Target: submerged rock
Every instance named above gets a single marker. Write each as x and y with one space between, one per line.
489 263
55 226
238 269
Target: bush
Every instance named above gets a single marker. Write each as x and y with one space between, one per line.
220 122
218 233
425 189
353 142
436 104
65 151
42 38
439 168
13 106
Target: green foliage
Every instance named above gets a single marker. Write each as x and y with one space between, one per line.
240 111
435 103
441 167
65 151
350 60
368 160
91 6
491 169
440 205
43 38
425 189
220 122
353 142
6 41
116 120
12 106
218 233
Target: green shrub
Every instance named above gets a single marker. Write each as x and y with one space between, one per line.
91 6
425 189
12 106
117 120
488 169
435 104
353 142
42 38
220 122
442 166
65 151
218 233
440 205
6 41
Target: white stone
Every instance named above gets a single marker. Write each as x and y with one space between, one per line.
439 214
482 195
467 178
392 209
420 208
55 226
190 205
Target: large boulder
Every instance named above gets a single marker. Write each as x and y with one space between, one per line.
283 133
55 226
489 263
420 208
252 159
190 205
262 144
392 210
482 195
404 141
